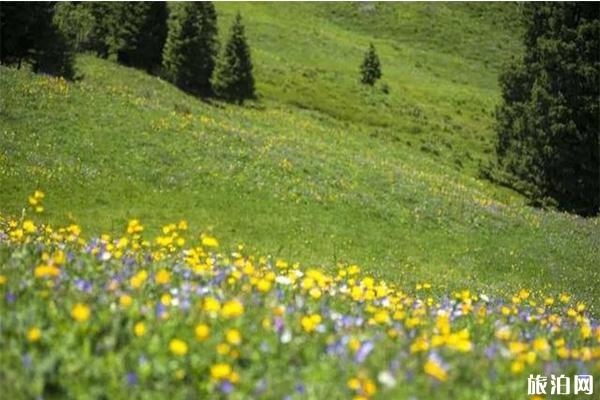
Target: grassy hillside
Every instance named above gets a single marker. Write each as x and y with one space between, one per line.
319 169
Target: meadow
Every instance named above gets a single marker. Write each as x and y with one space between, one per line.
318 171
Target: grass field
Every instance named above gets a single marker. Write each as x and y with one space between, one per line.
319 169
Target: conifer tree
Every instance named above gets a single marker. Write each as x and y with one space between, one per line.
137 32
547 124
191 46
233 79
370 69
28 33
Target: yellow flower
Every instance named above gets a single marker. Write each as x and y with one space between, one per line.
369 387
353 383
232 309
420 344
432 368
34 334
3 279
28 226
263 285
211 305
310 322
178 347
134 227
162 277
139 329
165 299
354 344
220 371
541 345
138 279
209 241
80 312
202 332
43 271
315 293
125 300
234 337
517 367
223 348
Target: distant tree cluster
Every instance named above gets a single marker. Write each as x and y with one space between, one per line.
178 41
548 124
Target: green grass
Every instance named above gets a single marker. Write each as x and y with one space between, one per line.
319 169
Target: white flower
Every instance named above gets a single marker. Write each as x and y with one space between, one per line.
386 378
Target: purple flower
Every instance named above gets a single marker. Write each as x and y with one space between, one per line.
226 387
365 348
10 297
83 285
132 378
160 309
278 322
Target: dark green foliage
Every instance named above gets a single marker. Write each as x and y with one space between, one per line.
233 79
191 46
137 33
548 123
28 33
86 25
370 69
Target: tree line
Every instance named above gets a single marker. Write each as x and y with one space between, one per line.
177 41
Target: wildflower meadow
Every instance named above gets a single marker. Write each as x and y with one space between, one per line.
299 201
134 316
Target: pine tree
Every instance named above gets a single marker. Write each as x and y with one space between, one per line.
233 79
191 46
28 33
547 124
370 69
137 33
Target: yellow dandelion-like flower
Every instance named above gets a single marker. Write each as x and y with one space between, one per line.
234 337
232 309
139 329
162 277
209 241
178 347
80 312
202 332
34 334
220 371
28 226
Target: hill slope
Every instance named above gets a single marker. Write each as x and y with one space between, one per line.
320 169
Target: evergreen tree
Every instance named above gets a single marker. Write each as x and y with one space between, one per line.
547 124
28 33
191 46
137 32
233 79
370 69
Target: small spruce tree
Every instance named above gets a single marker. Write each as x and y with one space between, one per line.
370 69
190 50
233 79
